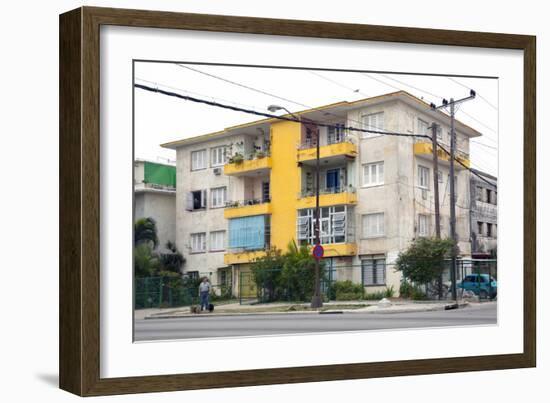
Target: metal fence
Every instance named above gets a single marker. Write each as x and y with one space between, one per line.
170 292
369 281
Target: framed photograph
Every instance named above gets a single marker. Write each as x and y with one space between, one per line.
249 201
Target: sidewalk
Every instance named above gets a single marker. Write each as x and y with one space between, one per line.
347 307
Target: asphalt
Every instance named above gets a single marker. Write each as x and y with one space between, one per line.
256 325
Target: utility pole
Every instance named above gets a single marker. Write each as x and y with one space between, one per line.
452 105
452 201
436 180
434 128
316 301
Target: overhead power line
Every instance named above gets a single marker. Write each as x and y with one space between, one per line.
269 115
478 94
242 85
330 80
294 119
425 92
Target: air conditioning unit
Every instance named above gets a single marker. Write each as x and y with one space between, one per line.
217 171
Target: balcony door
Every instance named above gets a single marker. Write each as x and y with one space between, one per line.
333 181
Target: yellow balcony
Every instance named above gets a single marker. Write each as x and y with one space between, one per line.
328 152
424 149
340 249
248 167
247 210
329 199
243 257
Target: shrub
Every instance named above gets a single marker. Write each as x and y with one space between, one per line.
408 290
377 295
347 290
423 261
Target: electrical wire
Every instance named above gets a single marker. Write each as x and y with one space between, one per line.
297 120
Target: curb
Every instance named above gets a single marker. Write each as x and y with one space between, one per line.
328 312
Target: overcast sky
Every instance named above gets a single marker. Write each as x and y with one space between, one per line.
160 118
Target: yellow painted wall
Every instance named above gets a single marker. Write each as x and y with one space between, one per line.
284 182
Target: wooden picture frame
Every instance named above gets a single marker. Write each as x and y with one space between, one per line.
79 200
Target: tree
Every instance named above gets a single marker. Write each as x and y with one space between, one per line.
267 275
173 260
145 231
298 272
146 263
423 261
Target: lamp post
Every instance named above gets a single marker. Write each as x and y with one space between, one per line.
316 301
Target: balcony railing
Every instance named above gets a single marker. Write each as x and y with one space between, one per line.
310 143
328 191
154 186
247 202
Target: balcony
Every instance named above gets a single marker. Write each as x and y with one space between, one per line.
239 166
343 150
424 149
245 208
340 249
243 256
328 197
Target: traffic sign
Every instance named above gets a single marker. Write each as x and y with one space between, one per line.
318 251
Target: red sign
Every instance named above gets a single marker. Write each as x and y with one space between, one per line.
318 251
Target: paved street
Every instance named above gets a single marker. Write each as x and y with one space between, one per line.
270 324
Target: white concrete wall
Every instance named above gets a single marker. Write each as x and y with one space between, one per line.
161 206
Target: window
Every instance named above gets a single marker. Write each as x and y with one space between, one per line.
198 160
373 225
217 240
265 192
479 193
218 156
198 242
423 127
439 133
218 196
373 174
333 225
423 177
335 134
373 270
373 121
488 197
196 200
423 224
249 233
439 176
489 229
480 228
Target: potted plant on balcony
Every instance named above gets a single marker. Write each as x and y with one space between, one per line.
237 158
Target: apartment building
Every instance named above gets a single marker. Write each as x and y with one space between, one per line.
483 214
155 196
251 187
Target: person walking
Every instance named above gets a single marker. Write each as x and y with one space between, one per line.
204 292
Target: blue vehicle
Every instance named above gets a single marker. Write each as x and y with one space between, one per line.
482 285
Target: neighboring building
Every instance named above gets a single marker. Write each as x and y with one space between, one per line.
483 214
377 190
155 196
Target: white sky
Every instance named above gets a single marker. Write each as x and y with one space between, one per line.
160 118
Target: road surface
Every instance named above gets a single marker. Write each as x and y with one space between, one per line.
269 324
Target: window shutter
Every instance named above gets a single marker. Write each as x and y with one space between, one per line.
203 198
339 224
189 201
303 228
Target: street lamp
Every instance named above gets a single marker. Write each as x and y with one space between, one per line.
316 301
